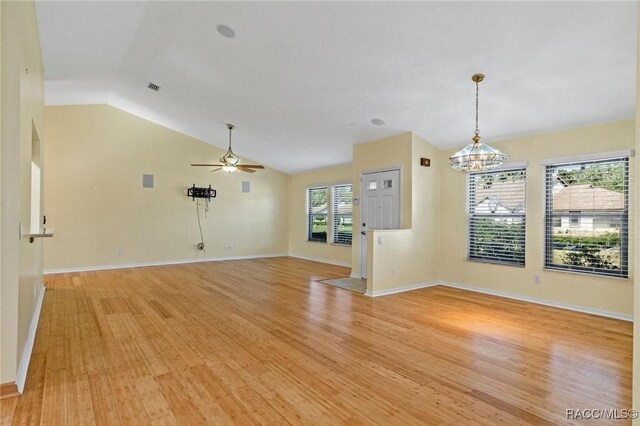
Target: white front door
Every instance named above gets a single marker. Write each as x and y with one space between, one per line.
380 207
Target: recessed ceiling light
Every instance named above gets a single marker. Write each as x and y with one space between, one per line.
226 31
377 122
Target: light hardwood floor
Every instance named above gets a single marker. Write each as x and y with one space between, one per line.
259 342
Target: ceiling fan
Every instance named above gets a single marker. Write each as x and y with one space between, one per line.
229 161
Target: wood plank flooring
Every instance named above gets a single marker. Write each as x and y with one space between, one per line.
260 342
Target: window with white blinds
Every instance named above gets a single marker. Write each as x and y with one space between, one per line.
342 199
317 213
587 217
496 210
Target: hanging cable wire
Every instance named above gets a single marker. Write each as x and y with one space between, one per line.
201 245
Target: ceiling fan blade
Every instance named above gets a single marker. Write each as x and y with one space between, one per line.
252 166
215 170
246 170
207 165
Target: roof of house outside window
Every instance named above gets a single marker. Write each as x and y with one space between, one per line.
586 198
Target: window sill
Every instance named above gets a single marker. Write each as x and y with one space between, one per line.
495 262
315 242
341 244
584 273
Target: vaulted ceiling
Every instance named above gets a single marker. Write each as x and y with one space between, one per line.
303 80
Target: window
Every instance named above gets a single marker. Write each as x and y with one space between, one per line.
317 209
587 217
342 199
574 219
496 212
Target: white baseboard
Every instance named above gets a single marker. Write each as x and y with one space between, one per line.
544 302
355 276
31 337
316 259
161 263
400 289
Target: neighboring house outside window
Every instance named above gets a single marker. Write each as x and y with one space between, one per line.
587 217
496 210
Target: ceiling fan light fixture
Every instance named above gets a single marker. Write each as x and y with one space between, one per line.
477 156
230 158
230 162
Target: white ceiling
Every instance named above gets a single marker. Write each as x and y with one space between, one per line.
302 80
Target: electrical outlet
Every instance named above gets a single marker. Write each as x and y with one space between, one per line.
119 252
536 279
393 271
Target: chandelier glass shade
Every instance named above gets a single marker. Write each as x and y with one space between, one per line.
477 156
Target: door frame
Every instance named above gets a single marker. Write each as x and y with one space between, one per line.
363 244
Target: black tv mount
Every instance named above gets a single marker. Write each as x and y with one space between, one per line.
201 192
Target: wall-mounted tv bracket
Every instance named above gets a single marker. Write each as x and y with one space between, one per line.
196 192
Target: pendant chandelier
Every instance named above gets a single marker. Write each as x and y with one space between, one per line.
477 156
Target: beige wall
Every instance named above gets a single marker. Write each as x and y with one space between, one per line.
607 294
298 244
95 159
22 103
409 257
392 152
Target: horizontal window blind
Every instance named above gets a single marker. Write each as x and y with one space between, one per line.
342 199
317 209
587 217
496 210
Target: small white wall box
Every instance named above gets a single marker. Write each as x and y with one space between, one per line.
246 186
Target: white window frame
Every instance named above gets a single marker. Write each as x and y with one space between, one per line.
309 213
549 164
334 214
471 216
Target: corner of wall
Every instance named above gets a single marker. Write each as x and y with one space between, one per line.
636 219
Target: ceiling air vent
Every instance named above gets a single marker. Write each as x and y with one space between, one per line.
153 87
